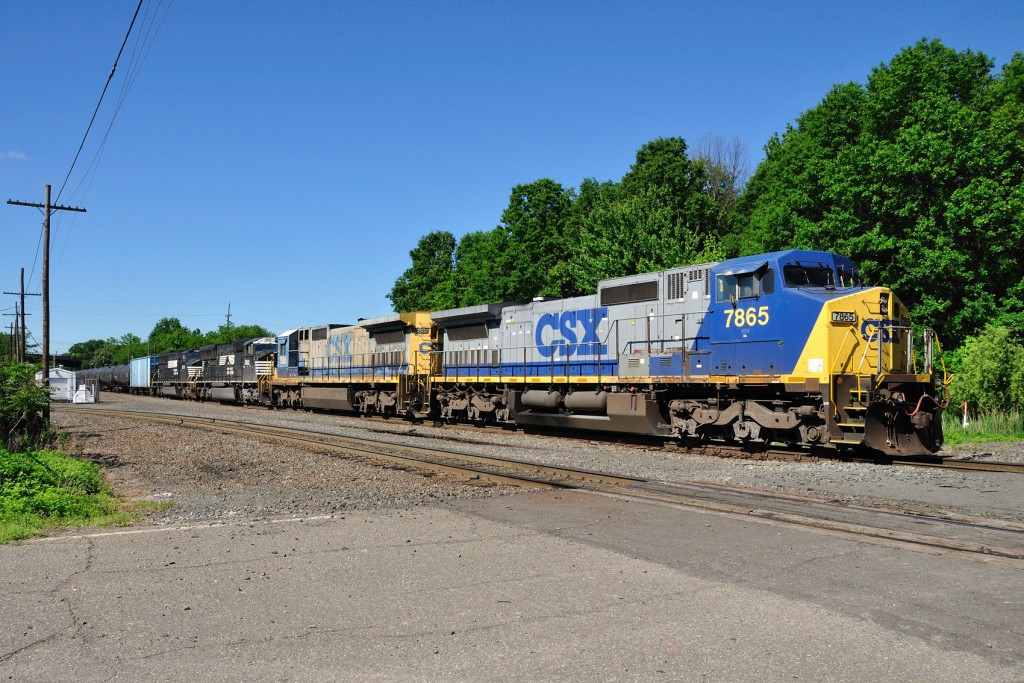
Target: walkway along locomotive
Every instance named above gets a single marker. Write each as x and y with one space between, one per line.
782 347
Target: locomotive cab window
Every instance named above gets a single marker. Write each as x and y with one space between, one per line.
847 276
808 275
736 286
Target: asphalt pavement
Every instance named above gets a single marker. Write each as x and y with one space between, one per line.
550 586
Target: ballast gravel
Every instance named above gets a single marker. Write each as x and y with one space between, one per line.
206 476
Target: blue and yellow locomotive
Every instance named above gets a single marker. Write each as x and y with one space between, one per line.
781 347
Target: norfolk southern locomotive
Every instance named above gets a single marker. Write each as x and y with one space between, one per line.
783 347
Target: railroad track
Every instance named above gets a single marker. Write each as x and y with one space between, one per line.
959 464
973 538
725 450
795 454
445 460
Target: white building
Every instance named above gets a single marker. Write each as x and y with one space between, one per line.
65 387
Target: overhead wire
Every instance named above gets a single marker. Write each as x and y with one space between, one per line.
145 38
106 85
143 44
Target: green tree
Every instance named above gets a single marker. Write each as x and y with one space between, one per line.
93 353
479 276
660 215
170 335
537 241
427 284
228 333
916 175
5 347
554 241
127 347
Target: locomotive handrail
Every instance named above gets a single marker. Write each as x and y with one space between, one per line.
864 356
839 352
832 368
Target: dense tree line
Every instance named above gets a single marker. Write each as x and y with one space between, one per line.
916 175
167 335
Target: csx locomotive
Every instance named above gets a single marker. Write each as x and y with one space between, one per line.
783 347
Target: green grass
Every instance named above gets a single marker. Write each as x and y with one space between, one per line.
45 490
983 428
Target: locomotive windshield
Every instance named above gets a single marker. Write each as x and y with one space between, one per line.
848 276
808 275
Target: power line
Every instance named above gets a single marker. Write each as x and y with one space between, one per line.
140 52
96 111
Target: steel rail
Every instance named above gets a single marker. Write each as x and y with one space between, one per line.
967 465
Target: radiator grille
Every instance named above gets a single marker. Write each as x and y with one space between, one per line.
631 293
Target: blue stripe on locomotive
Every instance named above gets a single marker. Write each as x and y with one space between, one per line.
557 368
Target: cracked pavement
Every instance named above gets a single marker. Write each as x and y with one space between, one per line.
554 586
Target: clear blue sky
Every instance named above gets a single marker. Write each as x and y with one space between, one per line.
286 156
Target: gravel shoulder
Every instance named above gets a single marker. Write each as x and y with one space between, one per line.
205 476
209 476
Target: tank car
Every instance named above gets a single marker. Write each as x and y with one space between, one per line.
110 378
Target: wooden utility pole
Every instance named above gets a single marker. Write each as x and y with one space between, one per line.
18 334
47 208
22 351
13 329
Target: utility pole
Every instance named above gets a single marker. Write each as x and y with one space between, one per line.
13 329
228 325
22 355
47 208
19 346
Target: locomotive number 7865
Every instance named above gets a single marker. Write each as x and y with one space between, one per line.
746 317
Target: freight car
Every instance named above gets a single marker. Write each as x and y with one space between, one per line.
781 347
114 377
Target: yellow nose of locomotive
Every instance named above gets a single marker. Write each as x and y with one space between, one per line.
869 334
882 395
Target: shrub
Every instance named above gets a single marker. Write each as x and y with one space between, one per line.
991 376
22 403
49 484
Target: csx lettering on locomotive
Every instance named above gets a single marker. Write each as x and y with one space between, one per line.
558 334
871 329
